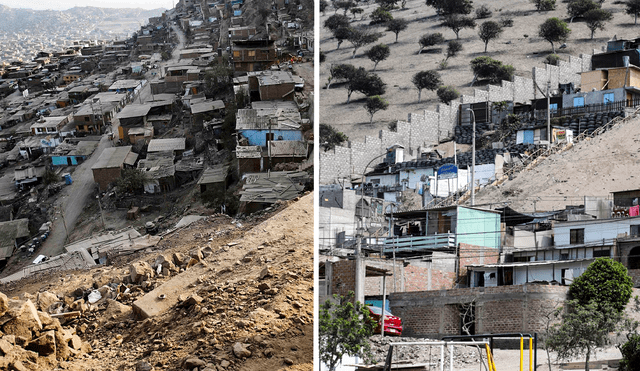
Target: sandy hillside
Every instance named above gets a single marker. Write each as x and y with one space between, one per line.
511 48
250 306
608 163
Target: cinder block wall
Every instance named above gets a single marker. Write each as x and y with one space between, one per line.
430 127
434 314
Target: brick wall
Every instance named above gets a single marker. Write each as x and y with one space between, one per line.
635 276
498 309
431 126
472 254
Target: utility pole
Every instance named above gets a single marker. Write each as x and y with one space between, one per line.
549 113
473 159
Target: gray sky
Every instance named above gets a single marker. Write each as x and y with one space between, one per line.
66 4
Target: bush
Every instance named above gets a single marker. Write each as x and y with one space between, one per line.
506 22
483 12
380 16
544 5
491 69
447 93
630 353
552 59
430 39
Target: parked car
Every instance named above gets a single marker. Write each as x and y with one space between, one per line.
392 324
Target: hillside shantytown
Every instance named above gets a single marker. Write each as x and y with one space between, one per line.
155 195
474 215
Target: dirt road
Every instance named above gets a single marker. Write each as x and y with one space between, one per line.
71 201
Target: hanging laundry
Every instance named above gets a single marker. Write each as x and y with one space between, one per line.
634 211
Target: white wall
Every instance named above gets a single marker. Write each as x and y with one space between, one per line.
595 231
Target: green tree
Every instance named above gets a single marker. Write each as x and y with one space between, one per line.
491 69
633 8
380 15
457 23
544 5
447 93
344 5
344 328
387 4
355 11
577 8
397 25
605 282
218 80
374 104
552 59
132 180
340 71
336 21
429 40
323 6
453 48
429 80
596 19
366 83
360 37
378 53
448 7
630 353
488 31
329 137
341 34
584 328
554 30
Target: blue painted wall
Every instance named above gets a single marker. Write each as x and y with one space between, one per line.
477 227
259 137
62 160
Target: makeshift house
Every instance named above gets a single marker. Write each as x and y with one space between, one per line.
108 168
159 172
12 234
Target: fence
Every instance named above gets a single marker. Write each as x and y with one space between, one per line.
590 108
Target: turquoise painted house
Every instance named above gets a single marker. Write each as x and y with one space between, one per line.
419 231
69 154
269 121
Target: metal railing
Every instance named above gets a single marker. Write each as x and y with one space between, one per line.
590 108
413 243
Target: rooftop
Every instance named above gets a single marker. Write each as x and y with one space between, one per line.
113 157
287 148
273 186
9 232
125 84
134 110
206 106
169 144
158 165
215 175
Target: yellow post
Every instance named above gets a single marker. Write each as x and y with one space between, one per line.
492 366
530 354
521 353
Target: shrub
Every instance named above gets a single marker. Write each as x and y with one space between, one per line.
380 16
630 353
552 59
506 22
447 93
544 5
483 12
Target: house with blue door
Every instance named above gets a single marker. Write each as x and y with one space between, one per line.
268 121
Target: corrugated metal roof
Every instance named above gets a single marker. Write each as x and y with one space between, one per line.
134 110
158 165
287 148
273 186
168 144
206 106
112 157
215 175
9 232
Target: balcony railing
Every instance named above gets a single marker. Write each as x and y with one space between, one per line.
590 108
415 243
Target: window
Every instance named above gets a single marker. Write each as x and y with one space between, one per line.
578 101
608 98
601 252
553 107
577 236
251 53
236 54
634 230
86 118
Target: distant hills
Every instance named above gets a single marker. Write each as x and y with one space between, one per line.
26 20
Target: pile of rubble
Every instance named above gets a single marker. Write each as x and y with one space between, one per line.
32 337
206 301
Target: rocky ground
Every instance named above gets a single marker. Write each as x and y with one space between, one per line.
250 307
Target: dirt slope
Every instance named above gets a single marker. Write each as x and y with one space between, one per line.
519 46
251 309
608 163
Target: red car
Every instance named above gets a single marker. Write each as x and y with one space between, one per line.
392 324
